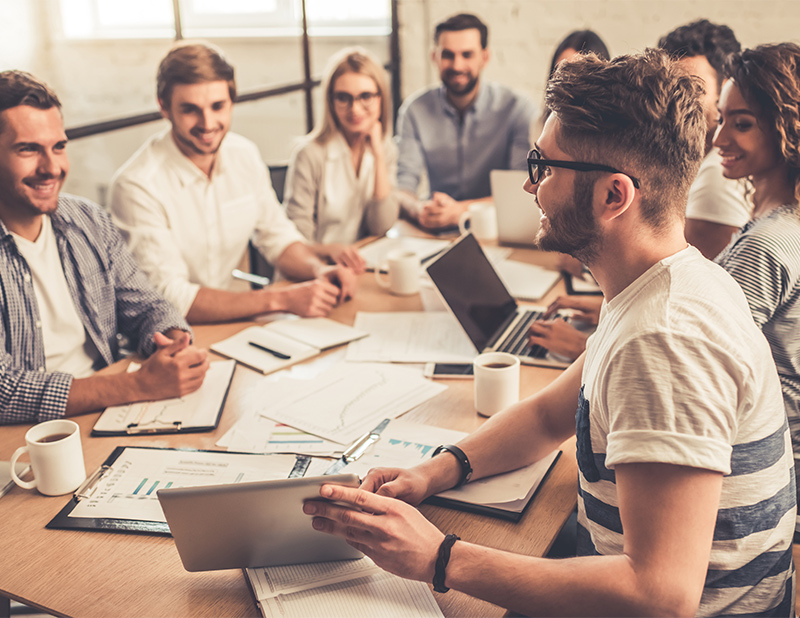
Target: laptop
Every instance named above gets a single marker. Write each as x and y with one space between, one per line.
477 297
518 215
251 524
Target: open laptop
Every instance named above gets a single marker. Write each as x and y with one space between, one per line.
479 300
517 214
253 524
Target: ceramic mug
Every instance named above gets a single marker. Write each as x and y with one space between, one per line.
496 382
403 267
56 458
482 218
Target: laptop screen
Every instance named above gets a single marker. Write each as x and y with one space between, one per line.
470 286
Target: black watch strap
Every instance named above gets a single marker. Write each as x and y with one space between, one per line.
463 460
441 562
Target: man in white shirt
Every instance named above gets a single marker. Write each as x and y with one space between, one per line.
70 285
192 197
686 498
717 206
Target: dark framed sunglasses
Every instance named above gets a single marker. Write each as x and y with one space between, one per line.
537 167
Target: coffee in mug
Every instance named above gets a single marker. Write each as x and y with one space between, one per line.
496 382
56 458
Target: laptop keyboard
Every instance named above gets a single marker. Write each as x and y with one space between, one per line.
517 342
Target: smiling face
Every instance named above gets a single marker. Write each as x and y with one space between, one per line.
460 60
33 164
565 198
354 115
200 115
746 149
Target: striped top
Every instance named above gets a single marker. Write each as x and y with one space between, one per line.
764 258
665 382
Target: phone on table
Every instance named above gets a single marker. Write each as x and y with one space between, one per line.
448 370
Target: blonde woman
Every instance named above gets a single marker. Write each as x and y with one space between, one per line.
339 187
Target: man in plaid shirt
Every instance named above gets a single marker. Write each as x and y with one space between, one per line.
69 284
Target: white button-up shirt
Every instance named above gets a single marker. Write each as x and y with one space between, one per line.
189 231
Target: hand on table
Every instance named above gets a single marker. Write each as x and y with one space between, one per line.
584 308
394 534
344 278
347 256
175 369
440 211
559 337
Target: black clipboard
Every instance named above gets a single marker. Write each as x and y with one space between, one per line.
481 509
176 427
63 521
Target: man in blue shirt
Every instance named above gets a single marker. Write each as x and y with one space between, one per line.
457 132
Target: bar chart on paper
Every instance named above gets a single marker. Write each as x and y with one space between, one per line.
129 490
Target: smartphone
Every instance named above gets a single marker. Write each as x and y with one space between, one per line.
448 370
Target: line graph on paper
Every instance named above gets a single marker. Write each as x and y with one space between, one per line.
349 399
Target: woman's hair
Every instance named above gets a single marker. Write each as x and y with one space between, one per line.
352 60
582 41
768 76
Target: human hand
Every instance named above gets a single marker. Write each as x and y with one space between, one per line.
440 211
309 299
407 485
559 337
345 280
347 255
394 534
375 139
175 369
585 308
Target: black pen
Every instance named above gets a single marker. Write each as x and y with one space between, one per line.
275 353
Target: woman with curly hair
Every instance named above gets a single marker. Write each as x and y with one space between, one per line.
759 140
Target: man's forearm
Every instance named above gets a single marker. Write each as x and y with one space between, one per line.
299 262
212 305
101 391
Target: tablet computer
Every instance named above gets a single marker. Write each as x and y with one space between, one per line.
251 524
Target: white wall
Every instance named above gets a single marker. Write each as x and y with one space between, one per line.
99 80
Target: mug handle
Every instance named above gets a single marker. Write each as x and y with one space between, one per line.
14 477
462 222
384 283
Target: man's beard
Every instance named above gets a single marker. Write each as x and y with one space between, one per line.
573 229
459 90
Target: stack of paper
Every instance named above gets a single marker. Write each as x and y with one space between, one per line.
353 588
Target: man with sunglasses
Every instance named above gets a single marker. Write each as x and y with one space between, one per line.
686 494
456 133
192 197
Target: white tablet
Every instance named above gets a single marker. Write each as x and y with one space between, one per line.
251 524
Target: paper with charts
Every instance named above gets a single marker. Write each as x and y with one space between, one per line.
411 337
128 490
347 400
353 588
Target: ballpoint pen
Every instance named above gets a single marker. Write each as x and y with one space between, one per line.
275 353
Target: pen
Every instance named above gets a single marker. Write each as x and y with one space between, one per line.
275 353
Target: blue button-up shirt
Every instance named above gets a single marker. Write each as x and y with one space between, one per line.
458 151
111 296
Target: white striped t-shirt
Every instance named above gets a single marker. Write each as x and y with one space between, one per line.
678 373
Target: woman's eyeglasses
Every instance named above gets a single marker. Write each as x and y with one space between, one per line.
346 100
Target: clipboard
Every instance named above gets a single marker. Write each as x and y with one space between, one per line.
193 413
63 520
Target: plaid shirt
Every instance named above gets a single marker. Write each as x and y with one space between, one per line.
111 296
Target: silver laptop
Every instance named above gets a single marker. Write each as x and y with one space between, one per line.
517 214
251 524
479 300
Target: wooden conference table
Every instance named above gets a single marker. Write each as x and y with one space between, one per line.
77 573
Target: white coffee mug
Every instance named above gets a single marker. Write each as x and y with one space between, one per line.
482 218
56 458
403 267
496 382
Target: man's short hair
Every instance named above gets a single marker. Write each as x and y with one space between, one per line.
21 88
639 113
462 21
702 38
193 63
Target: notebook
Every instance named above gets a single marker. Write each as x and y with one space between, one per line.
518 215
488 313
